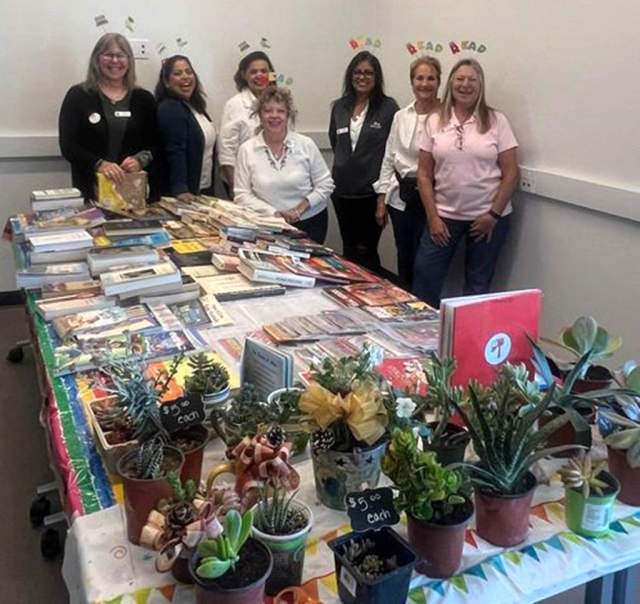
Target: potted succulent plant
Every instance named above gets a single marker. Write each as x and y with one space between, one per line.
208 379
501 421
144 470
373 567
447 439
345 408
590 493
585 335
282 523
620 427
176 527
437 513
231 567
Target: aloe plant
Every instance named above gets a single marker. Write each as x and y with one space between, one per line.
275 514
581 473
501 421
221 554
585 335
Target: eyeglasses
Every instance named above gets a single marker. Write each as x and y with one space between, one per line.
115 56
460 138
367 74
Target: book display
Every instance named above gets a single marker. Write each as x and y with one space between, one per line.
156 332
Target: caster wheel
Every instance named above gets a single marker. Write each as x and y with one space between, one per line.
50 546
40 508
15 355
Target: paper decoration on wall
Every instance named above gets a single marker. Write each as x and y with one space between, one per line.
243 46
161 48
284 80
463 48
129 23
181 42
101 21
365 42
265 43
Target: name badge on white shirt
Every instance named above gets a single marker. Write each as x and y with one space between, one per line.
122 114
344 130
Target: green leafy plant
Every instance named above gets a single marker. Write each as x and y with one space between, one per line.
275 514
581 473
425 489
343 375
501 421
221 554
585 335
368 566
139 396
207 376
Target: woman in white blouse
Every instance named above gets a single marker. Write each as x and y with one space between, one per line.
397 187
239 123
283 173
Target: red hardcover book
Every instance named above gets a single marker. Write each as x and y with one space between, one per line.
484 332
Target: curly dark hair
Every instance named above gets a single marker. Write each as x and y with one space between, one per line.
162 91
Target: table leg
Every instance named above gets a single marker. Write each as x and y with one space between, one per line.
600 591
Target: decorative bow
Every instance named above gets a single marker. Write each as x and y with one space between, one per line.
170 541
362 409
257 463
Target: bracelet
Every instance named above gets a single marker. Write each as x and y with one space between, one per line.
494 214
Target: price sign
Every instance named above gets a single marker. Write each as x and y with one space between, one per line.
182 413
372 509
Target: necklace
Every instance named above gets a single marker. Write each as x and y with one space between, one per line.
277 162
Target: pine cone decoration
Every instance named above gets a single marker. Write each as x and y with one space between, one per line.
322 440
276 437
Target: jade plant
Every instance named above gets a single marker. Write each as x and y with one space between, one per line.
221 554
426 490
207 376
585 335
581 473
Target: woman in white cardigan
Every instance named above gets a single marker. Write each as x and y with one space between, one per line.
397 186
281 172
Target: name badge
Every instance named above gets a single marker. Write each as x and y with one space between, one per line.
376 125
94 118
342 130
122 114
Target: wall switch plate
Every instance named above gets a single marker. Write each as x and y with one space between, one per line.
528 181
141 49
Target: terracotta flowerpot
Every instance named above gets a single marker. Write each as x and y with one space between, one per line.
447 453
192 467
596 378
629 477
504 519
141 496
287 552
440 545
567 435
337 473
591 517
244 585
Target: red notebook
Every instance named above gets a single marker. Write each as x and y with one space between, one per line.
484 332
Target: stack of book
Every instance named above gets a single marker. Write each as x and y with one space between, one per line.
54 199
36 276
139 279
268 267
62 299
106 258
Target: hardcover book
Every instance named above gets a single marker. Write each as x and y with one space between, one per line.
128 197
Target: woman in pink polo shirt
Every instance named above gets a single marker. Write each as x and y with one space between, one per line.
467 172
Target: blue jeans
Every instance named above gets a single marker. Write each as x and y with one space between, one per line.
432 261
408 226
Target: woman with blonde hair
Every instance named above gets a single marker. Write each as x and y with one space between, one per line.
397 186
282 172
107 124
467 172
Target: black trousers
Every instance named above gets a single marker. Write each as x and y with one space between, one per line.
359 230
408 226
315 227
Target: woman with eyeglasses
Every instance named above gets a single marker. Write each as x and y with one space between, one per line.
397 187
360 124
107 124
467 172
239 121
188 136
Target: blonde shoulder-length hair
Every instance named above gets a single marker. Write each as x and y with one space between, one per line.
482 112
102 45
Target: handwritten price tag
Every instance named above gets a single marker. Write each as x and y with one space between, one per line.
372 509
182 413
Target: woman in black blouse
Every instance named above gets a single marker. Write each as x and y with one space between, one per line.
107 124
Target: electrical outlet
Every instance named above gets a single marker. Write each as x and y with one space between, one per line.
528 181
140 49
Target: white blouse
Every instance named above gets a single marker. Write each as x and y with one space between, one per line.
209 132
